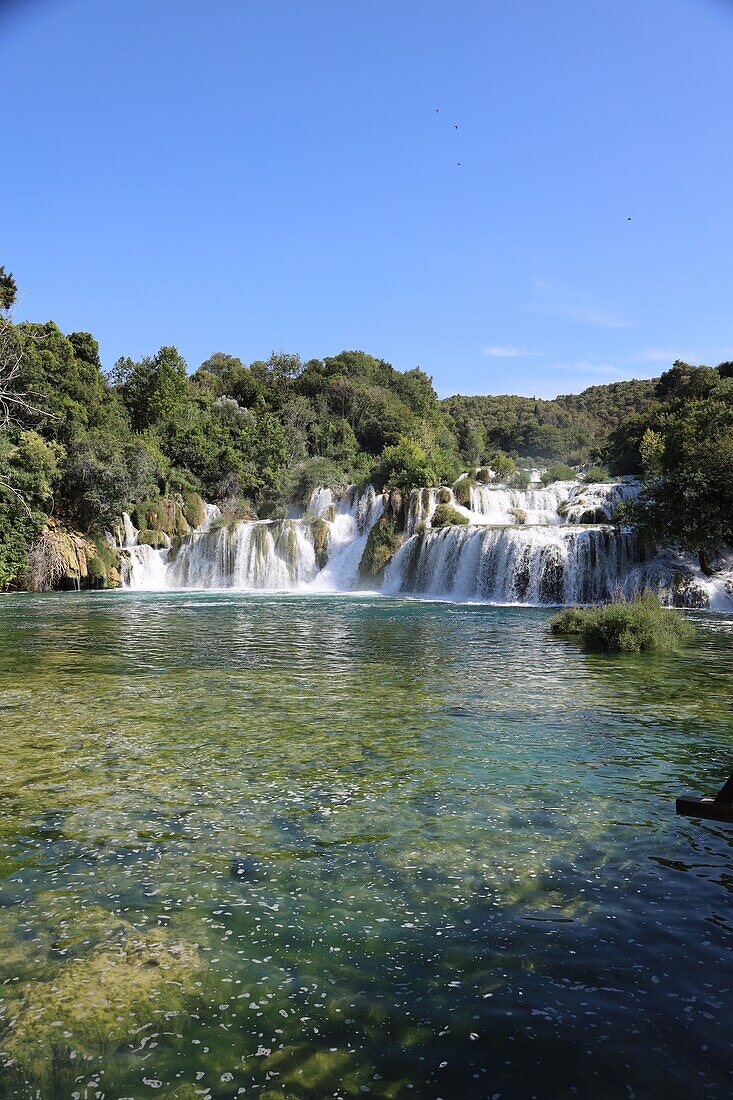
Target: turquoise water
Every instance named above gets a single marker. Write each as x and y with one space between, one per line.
333 847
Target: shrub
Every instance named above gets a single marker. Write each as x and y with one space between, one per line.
641 625
403 466
445 516
558 472
595 474
445 496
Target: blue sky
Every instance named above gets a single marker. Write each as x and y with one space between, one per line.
250 175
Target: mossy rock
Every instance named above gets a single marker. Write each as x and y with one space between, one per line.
96 572
445 516
320 534
462 491
157 539
382 544
164 514
483 475
519 514
64 559
193 509
286 542
445 496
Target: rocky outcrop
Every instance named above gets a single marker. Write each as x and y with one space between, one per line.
445 516
382 544
66 559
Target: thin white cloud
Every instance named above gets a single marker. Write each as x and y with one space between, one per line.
668 355
589 368
508 351
557 300
659 355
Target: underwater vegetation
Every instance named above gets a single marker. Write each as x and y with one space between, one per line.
307 846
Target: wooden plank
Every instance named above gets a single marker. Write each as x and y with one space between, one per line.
712 809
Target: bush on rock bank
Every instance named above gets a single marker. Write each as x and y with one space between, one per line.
641 625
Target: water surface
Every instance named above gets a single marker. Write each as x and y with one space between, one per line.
335 846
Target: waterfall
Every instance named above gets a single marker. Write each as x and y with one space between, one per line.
546 564
550 545
263 554
502 506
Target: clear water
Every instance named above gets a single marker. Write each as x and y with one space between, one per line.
343 846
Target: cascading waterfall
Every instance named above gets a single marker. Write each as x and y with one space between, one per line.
548 545
540 564
263 554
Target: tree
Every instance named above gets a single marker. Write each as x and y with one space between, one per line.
155 390
8 290
403 466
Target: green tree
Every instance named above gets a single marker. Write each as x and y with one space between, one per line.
8 290
403 466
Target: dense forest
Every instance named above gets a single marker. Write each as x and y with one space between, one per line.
78 445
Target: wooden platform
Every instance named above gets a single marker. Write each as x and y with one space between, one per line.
719 808
708 808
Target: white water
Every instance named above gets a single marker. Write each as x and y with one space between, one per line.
262 554
542 564
551 545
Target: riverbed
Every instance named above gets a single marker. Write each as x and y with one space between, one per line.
332 846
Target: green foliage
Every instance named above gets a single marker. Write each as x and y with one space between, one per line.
8 289
502 465
568 426
312 474
445 516
595 474
519 480
557 472
403 465
29 467
641 625
651 450
684 446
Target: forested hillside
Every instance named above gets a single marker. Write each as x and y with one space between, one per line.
570 428
78 445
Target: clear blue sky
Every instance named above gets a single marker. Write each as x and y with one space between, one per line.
249 175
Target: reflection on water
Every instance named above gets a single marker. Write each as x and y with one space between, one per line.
324 846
